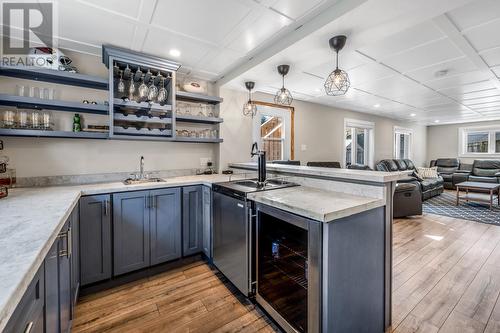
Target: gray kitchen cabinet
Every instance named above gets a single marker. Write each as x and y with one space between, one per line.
192 220
95 239
75 256
131 242
58 299
28 316
165 223
207 219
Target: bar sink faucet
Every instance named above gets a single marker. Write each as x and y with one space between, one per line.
261 163
141 168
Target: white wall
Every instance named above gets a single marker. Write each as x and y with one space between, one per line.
318 127
47 157
442 140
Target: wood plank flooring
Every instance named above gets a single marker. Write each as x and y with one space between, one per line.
446 279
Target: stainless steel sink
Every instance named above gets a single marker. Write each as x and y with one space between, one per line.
130 181
268 184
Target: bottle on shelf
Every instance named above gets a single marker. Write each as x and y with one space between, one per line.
77 123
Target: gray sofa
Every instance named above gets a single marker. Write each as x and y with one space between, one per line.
447 167
484 171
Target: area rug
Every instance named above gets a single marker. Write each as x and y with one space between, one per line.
444 204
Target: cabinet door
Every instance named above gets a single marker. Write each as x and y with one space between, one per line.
95 239
192 224
52 314
65 278
75 257
131 231
165 225
207 220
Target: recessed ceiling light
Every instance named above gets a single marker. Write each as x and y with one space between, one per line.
413 114
175 53
441 73
436 121
376 105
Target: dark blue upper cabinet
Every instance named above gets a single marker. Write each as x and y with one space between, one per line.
131 231
192 220
95 238
165 222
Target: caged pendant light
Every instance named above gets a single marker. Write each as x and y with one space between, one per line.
249 108
283 96
337 83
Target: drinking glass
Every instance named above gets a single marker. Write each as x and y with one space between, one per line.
8 118
22 118
131 88
143 90
20 90
32 92
45 120
152 91
121 84
162 93
35 119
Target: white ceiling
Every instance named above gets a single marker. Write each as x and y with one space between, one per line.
211 35
394 50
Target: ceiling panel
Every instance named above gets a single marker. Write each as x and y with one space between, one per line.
468 88
458 80
159 42
453 67
496 70
475 13
492 56
105 28
485 105
480 94
208 20
250 35
217 61
482 100
485 36
369 72
412 37
425 55
296 8
487 109
130 8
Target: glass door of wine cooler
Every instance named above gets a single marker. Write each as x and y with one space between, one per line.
282 279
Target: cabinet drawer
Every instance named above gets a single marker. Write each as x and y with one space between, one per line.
28 315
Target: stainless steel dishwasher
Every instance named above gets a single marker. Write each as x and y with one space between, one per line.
234 230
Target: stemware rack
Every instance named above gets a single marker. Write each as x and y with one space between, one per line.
129 118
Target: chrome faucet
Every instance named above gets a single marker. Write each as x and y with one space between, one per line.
261 154
141 168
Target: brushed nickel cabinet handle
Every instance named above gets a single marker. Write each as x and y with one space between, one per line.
106 207
69 242
29 327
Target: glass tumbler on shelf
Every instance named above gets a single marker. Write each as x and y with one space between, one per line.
20 90
8 119
48 93
22 118
45 120
35 119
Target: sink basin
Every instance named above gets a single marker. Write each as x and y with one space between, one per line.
270 183
130 181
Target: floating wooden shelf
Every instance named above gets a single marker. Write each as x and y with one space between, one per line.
53 134
53 76
195 97
198 119
119 103
38 103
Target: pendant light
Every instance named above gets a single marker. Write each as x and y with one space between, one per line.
283 96
337 83
249 108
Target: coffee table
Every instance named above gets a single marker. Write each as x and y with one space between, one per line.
490 188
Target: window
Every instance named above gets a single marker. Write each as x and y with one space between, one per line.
272 130
358 142
403 139
479 141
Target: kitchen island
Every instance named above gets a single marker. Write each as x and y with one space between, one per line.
32 219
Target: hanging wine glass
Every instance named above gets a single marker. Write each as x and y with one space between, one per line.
127 72
131 88
162 93
152 91
121 84
143 90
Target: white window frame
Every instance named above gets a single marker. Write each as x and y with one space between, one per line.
370 131
462 141
406 131
286 117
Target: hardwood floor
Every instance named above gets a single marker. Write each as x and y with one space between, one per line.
446 279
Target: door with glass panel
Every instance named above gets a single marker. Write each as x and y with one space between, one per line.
356 146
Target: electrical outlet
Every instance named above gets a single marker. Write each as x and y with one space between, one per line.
204 161
303 147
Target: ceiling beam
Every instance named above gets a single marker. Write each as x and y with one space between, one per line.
294 33
450 29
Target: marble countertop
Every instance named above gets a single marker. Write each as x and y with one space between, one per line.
31 218
334 173
316 204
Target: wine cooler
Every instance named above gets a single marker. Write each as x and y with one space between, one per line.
288 269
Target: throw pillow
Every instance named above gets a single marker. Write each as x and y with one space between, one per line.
427 173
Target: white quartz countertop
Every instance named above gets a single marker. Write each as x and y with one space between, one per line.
316 204
31 218
348 174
